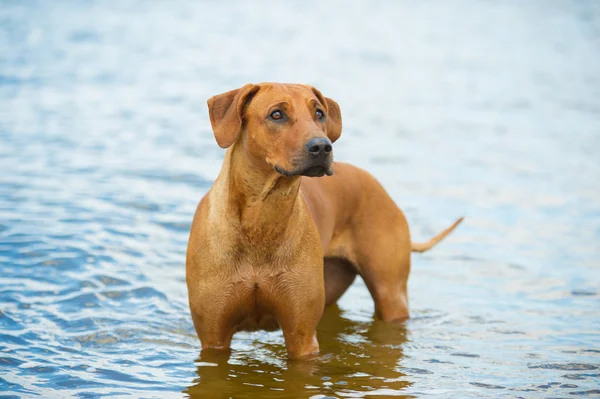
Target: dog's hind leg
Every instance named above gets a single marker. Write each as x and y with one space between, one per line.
383 251
339 275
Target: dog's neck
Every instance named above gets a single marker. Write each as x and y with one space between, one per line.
257 195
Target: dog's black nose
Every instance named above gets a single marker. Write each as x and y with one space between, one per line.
319 146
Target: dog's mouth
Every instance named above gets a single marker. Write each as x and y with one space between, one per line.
317 171
311 171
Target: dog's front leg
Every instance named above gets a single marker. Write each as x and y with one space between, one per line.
298 305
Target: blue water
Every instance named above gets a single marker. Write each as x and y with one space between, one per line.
485 109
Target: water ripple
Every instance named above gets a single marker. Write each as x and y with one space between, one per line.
106 148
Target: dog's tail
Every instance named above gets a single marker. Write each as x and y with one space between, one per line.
425 246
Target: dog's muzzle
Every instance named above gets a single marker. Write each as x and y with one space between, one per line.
316 162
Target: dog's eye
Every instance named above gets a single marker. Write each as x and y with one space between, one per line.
276 115
319 114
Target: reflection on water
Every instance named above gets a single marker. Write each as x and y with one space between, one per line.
484 109
358 357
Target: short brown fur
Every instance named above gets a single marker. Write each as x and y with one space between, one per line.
269 248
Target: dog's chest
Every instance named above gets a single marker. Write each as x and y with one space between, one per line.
256 279
257 287
258 320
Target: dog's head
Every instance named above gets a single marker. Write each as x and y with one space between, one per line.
288 128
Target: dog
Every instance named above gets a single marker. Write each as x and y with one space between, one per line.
284 230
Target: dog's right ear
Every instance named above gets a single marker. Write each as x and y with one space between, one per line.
334 116
226 113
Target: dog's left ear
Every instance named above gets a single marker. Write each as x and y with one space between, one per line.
334 116
226 113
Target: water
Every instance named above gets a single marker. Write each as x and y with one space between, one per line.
485 109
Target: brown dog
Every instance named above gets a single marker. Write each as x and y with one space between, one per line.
270 247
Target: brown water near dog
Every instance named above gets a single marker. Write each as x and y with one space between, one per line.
485 109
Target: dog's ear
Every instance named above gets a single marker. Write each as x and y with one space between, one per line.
226 113
334 120
334 116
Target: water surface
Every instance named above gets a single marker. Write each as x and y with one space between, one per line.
485 109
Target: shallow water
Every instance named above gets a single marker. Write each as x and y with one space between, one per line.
484 109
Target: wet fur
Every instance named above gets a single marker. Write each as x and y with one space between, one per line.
268 250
